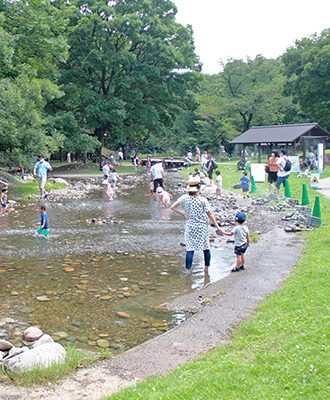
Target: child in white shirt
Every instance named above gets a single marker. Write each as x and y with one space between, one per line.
219 184
164 197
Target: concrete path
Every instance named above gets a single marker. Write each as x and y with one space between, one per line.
325 187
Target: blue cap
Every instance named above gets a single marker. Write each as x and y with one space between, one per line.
240 215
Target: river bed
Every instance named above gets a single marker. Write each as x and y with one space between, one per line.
103 283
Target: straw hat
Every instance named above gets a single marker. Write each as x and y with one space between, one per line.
194 184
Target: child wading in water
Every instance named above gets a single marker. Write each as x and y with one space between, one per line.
242 240
4 201
108 189
164 197
44 225
114 177
219 183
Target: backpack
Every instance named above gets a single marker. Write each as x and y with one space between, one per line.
287 165
214 165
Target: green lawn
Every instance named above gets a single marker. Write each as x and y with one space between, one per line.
282 352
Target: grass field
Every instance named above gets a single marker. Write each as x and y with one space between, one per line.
282 352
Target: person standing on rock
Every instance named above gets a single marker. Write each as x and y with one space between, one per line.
41 169
197 212
158 175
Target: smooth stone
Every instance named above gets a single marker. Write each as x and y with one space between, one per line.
32 333
61 335
8 320
157 324
43 298
122 314
44 339
16 350
102 343
91 342
42 356
105 297
5 345
82 339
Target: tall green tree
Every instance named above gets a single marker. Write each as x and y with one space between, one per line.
122 77
31 42
307 66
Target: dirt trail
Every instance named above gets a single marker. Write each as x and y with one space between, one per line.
268 263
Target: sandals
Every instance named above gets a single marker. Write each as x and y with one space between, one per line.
242 268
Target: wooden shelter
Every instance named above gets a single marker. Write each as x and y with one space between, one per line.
283 136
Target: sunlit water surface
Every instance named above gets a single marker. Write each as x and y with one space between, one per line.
74 284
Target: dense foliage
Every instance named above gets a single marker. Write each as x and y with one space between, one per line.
124 74
307 64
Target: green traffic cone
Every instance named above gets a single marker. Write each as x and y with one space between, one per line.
253 185
305 199
317 208
287 193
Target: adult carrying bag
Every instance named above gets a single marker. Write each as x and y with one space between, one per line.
287 165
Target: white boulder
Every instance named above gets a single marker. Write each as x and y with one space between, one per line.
42 356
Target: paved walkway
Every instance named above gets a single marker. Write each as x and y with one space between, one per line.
325 187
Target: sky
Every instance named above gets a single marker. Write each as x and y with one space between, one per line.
241 28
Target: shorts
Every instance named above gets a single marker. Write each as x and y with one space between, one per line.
114 180
239 250
210 173
4 205
42 181
272 177
44 232
219 187
158 182
121 159
245 190
280 180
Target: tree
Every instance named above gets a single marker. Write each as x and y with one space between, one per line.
307 65
123 77
29 46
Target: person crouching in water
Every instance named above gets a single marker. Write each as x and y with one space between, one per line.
197 212
44 225
164 197
242 240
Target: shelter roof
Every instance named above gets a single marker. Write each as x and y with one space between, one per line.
280 133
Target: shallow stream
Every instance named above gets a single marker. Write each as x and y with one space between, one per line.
74 284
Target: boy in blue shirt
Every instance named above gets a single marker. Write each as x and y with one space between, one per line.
44 225
245 185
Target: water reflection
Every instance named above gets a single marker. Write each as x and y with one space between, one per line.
75 283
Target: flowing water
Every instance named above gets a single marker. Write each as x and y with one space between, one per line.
77 284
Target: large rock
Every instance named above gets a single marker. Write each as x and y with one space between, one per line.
42 356
4 345
61 180
43 340
32 333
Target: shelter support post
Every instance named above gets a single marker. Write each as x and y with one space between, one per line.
259 153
